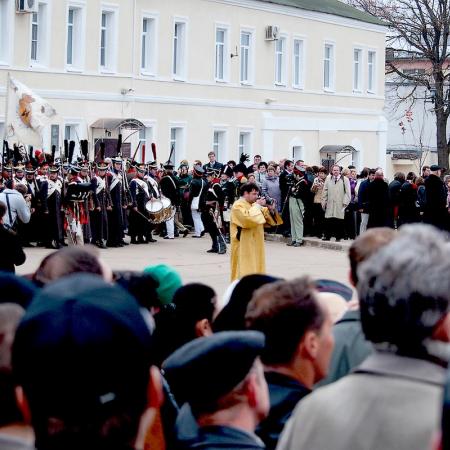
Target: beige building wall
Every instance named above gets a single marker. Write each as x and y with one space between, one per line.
280 119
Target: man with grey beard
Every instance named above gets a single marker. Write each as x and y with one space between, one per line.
392 399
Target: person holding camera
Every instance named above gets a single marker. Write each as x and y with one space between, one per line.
299 193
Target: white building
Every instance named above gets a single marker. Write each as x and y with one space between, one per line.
205 74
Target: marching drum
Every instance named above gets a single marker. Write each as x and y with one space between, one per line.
160 210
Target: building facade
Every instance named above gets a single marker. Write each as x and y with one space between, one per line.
278 78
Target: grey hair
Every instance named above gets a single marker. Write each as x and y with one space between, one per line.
10 316
404 289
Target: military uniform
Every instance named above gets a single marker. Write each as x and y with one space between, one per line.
53 228
115 216
212 206
102 204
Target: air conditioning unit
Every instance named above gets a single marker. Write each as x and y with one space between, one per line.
27 6
272 33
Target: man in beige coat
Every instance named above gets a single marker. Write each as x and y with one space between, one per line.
335 198
392 401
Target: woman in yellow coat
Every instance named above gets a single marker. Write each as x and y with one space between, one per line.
248 217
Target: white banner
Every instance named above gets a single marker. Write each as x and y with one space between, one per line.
27 115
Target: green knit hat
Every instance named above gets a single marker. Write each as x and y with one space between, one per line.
169 281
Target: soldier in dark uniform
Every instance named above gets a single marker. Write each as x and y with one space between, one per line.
19 175
29 232
211 207
138 226
74 205
115 216
231 360
229 192
88 202
102 204
53 228
170 188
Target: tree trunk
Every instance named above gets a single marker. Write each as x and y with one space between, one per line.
441 139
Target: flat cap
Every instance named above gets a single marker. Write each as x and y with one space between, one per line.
207 368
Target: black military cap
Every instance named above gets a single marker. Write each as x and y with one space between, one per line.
228 171
207 368
198 169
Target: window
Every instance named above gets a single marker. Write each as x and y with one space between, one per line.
219 142
71 132
221 54
246 57
38 53
145 140
75 37
148 51
108 41
328 67
298 63
244 142
179 50
4 35
54 136
176 144
357 70
280 61
34 36
371 77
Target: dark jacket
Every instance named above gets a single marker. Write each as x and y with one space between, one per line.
378 203
219 437
170 188
436 202
408 212
217 166
12 253
363 201
285 393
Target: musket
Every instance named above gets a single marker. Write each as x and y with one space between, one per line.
135 152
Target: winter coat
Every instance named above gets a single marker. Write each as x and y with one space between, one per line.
336 197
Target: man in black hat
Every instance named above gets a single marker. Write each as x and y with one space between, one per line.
74 205
211 215
86 378
53 227
229 193
197 192
118 204
102 204
139 227
436 194
240 172
170 188
221 378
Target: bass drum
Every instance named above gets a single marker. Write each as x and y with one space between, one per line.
168 211
155 209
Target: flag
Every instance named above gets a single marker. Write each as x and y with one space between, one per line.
27 114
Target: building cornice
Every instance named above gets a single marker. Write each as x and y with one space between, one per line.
304 14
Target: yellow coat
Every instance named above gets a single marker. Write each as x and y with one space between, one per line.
247 254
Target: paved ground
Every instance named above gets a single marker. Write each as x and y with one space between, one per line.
194 264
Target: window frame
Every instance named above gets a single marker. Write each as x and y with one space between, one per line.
226 51
302 59
220 149
78 36
250 61
246 132
332 67
357 70
7 24
179 152
375 65
111 42
283 39
181 49
151 67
